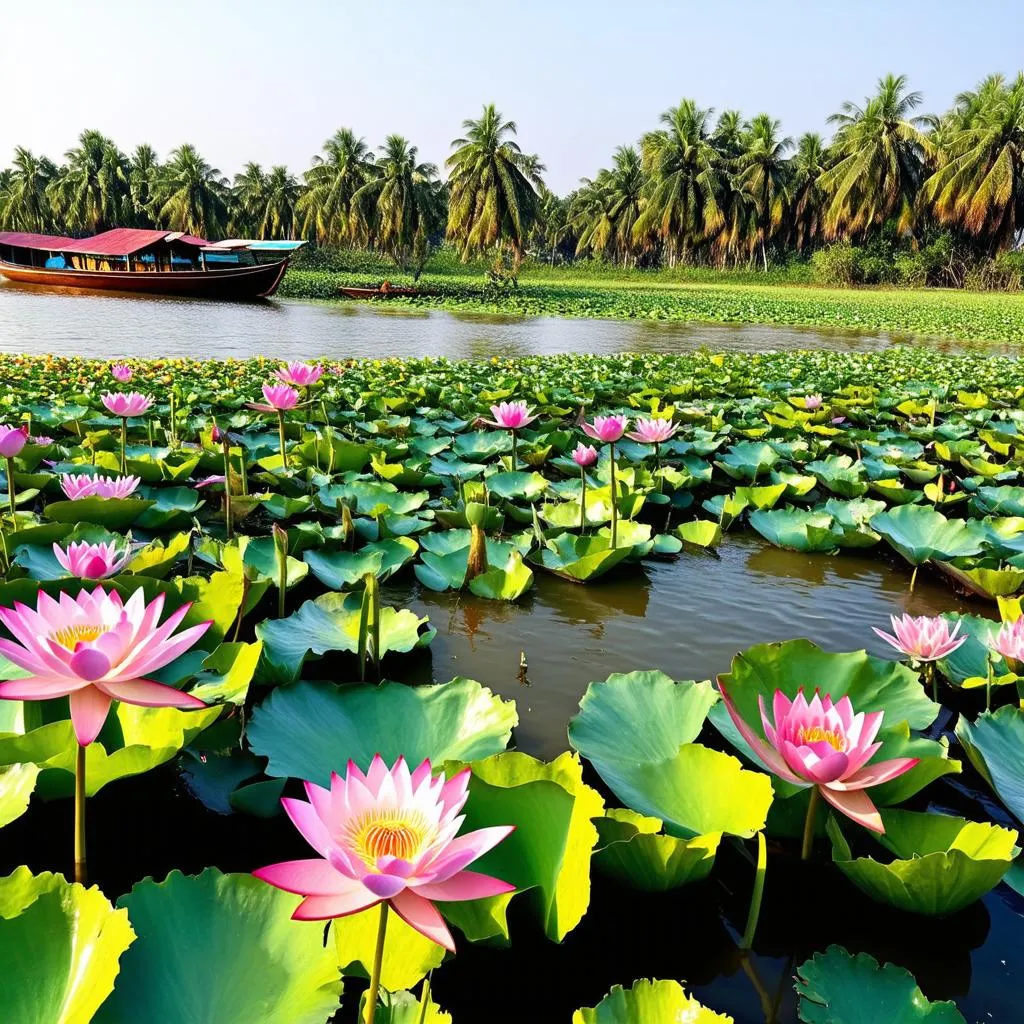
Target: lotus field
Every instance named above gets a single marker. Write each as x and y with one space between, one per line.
197 624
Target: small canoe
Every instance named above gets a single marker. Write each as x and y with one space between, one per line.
383 291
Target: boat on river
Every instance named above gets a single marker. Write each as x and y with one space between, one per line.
148 262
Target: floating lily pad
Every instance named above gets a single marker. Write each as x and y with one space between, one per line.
309 729
649 1002
579 559
222 948
994 744
340 570
796 529
919 534
113 513
837 988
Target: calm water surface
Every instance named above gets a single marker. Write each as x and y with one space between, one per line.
71 322
687 617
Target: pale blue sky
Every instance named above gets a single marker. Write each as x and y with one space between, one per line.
269 81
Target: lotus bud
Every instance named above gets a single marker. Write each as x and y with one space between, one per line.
476 513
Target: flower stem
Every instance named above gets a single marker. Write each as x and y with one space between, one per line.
513 433
81 876
657 465
227 489
583 501
280 434
10 489
615 502
755 897
425 1000
124 442
913 578
378 960
988 683
809 821
933 678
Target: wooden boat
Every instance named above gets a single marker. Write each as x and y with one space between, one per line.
147 262
383 291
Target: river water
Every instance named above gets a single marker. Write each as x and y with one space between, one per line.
687 617
71 322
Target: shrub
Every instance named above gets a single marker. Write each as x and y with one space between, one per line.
836 265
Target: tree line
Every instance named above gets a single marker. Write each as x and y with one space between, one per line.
726 191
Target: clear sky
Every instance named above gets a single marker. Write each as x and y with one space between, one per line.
269 81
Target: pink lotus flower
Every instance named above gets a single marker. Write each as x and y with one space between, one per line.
42 440
584 455
387 835
209 481
95 649
606 428
77 486
812 402
511 415
652 431
12 440
825 745
126 405
279 398
926 638
91 561
121 372
299 375
1009 641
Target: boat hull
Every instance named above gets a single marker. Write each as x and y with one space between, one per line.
238 283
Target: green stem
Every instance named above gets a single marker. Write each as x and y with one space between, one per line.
378 960
988 684
657 465
282 581
241 608
615 502
809 821
583 501
913 578
81 875
280 434
10 490
227 490
933 678
425 1000
124 442
755 897
513 450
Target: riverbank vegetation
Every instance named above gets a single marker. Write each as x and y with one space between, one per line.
896 196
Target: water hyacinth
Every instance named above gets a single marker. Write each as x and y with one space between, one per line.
79 485
121 372
388 837
299 375
91 561
826 746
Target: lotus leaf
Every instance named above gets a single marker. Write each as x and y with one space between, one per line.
649 1002
920 533
993 744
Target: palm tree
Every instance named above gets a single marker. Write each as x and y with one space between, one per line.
248 195
807 201
553 225
762 172
686 180
191 195
493 188
24 201
90 193
325 206
880 160
979 185
143 175
402 202
727 137
609 207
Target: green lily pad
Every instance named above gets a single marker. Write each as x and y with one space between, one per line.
994 744
700 533
631 849
158 557
919 534
369 496
970 659
261 554
579 559
61 944
341 570
331 623
837 988
17 781
943 863
221 949
309 729
796 529
113 513
649 1002
840 474
528 486
506 582
549 852
399 1007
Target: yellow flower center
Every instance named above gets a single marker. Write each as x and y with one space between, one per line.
816 734
70 636
389 834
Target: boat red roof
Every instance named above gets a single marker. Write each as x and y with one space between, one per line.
116 242
28 240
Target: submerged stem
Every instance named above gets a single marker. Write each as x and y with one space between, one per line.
378 960
81 875
755 897
809 822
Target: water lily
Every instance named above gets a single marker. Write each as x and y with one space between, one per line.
926 638
299 375
826 746
92 561
609 429
279 398
511 416
125 405
94 649
812 402
80 485
584 455
388 837
121 372
652 431
42 440
1009 641
12 440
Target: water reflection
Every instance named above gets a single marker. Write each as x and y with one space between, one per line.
67 321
